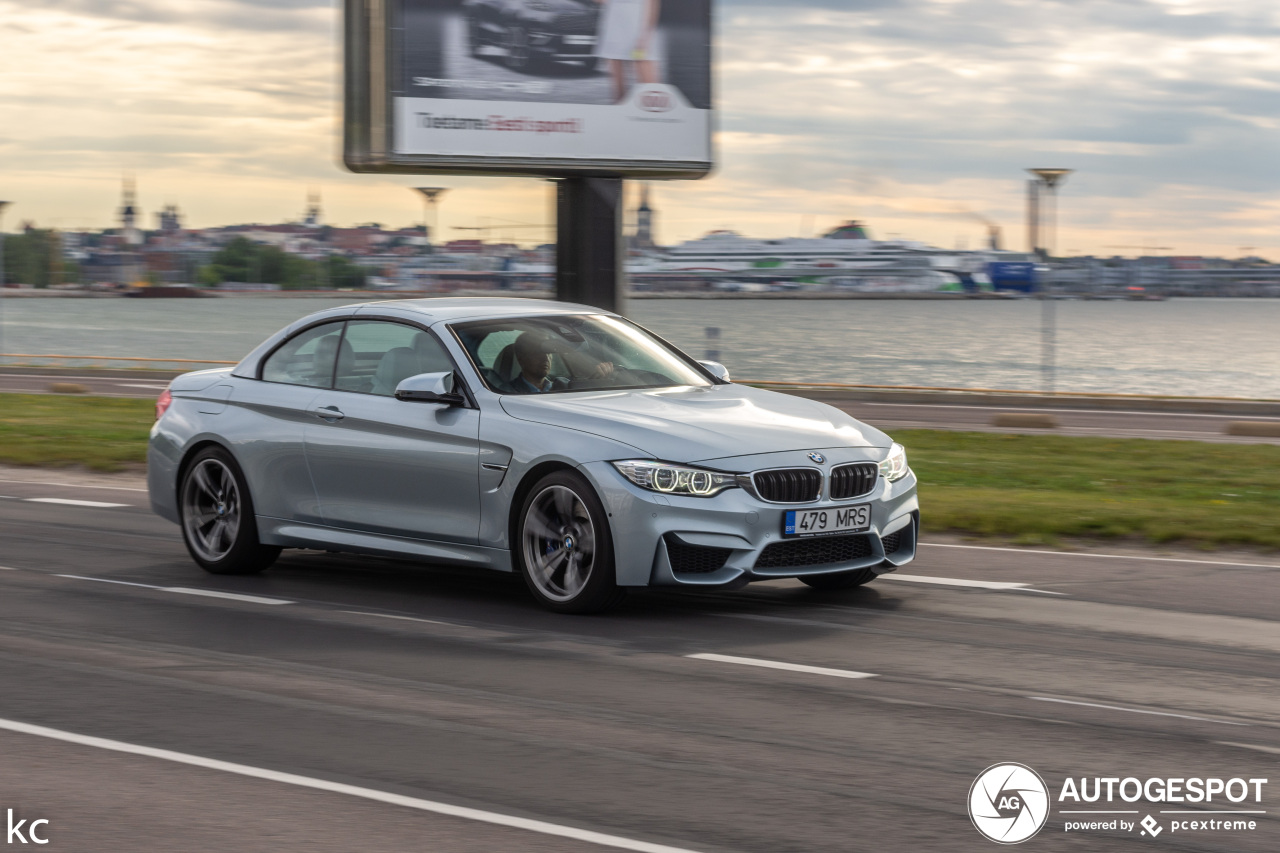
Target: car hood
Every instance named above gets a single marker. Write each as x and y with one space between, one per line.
696 424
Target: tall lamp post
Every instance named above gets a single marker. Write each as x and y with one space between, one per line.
1046 185
1049 180
430 196
3 205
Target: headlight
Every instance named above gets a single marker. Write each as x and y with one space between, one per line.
675 479
894 467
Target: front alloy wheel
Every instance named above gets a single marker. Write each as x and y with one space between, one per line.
566 552
217 517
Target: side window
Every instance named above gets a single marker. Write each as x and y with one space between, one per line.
307 358
383 355
493 345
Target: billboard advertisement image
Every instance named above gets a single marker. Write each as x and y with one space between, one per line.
530 86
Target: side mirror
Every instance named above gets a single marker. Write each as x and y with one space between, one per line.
718 370
430 388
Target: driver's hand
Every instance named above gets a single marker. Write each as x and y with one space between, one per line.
603 370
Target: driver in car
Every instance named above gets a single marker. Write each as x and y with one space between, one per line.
533 354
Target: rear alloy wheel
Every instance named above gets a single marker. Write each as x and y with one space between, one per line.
565 548
844 580
218 525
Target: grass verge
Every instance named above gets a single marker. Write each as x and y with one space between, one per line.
1031 489
1040 489
101 433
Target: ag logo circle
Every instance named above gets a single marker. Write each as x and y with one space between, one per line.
1009 803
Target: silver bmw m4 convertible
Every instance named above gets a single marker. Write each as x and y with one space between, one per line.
556 440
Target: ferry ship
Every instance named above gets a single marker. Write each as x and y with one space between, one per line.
846 257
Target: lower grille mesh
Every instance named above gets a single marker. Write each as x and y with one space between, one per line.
695 559
814 552
892 542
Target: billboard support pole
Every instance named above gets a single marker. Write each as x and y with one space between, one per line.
589 243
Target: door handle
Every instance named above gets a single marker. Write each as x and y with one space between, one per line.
332 414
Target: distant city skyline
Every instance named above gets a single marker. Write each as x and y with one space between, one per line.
915 116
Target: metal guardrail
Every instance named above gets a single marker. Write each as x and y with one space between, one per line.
763 383
113 358
836 386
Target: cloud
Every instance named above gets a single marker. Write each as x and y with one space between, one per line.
898 111
224 14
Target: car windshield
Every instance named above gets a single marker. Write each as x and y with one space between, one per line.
549 355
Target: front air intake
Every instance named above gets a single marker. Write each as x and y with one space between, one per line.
689 559
822 551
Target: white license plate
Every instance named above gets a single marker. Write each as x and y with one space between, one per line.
819 522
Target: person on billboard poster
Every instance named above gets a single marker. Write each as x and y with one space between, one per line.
626 39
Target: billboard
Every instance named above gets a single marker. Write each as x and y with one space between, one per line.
530 87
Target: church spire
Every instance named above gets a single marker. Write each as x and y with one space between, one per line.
129 232
644 222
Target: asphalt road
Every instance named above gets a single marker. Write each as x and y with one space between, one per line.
1186 426
396 697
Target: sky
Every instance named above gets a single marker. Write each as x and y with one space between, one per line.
917 117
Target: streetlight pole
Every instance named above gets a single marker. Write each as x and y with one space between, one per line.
3 205
1047 181
430 195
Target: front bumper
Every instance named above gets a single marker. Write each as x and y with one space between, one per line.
563 47
733 538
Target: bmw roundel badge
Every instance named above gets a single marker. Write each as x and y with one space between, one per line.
818 457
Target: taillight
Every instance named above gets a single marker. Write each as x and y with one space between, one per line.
162 404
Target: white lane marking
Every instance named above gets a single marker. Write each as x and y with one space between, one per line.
210 593
539 826
8 569
138 385
70 485
69 502
894 576
793 667
233 596
1271 749
1097 556
402 618
1135 710
108 580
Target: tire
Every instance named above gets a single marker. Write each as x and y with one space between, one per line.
591 64
218 525
515 41
564 547
844 580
